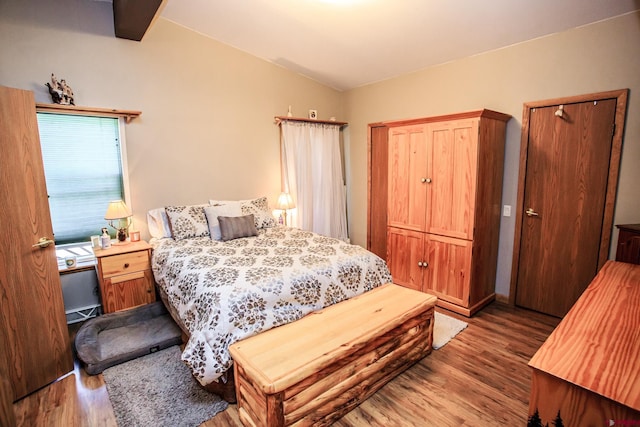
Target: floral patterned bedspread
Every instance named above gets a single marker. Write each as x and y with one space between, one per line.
227 291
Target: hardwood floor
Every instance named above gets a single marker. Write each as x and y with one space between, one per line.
480 378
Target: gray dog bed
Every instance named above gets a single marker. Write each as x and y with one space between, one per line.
115 338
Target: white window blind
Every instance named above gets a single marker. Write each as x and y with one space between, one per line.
83 170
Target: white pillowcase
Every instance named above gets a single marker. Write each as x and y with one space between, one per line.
212 213
158 223
259 207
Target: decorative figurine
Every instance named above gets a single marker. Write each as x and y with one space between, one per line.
60 91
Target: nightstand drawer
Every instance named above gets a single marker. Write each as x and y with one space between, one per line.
125 263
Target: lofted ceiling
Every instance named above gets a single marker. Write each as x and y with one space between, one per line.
350 43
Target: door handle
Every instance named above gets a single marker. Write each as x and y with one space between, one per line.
425 180
531 212
43 242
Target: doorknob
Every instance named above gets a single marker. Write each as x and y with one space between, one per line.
531 212
43 242
427 180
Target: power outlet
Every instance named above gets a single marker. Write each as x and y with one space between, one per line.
506 210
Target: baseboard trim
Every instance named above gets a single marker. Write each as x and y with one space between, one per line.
504 299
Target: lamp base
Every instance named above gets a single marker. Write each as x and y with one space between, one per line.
122 234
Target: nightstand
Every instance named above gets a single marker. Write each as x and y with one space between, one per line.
125 276
628 249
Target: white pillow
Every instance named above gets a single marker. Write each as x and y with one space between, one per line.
259 207
213 211
158 223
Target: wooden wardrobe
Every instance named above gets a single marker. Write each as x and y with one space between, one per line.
34 340
444 190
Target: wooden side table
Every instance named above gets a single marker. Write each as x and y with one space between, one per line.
125 276
588 368
628 249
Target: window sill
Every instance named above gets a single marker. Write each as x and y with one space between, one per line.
80 266
85 259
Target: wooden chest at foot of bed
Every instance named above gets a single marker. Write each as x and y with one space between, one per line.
315 370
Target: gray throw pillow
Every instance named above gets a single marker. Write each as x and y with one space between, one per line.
234 227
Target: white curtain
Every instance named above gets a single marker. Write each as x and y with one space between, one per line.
312 174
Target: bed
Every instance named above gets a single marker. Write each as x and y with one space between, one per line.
221 291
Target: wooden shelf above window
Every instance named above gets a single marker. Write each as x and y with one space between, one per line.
280 119
87 111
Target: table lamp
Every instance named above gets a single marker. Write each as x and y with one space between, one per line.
285 202
118 210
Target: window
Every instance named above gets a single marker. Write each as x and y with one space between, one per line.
84 168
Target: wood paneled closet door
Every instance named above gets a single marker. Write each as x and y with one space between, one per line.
568 178
409 157
452 187
34 340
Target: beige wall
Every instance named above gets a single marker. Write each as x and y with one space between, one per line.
599 57
206 129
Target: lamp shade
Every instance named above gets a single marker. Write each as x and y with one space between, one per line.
285 201
117 210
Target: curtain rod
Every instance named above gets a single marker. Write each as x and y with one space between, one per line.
280 119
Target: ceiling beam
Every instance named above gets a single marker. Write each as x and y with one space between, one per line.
132 18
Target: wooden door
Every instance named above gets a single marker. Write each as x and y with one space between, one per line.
407 177
405 257
567 174
452 178
448 272
34 339
377 190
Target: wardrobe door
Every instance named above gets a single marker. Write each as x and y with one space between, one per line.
405 257
451 184
448 272
34 340
407 177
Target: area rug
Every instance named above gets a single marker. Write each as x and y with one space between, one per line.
159 390
445 328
